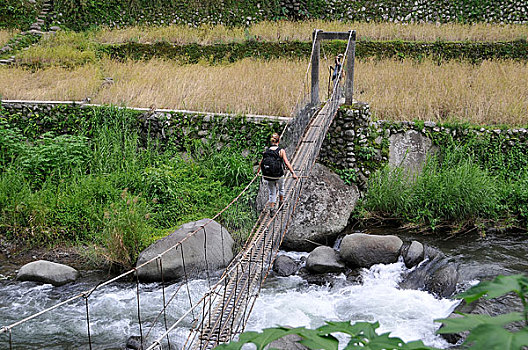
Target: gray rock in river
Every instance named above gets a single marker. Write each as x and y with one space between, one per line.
324 259
285 266
437 275
322 212
134 343
197 255
491 307
362 250
47 272
413 254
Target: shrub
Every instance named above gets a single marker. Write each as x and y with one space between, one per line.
446 190
17 13
54 156
126 230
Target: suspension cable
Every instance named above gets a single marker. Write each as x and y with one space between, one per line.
250 247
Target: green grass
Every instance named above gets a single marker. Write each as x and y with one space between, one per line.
472 183
105 186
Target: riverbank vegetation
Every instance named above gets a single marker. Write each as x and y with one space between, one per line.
63 195
463 187
102 186
492 92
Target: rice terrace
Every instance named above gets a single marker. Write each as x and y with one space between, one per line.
137 211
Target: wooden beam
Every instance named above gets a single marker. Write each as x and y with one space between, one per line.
315 67
333 35
351 58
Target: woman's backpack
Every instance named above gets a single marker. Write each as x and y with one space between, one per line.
272 164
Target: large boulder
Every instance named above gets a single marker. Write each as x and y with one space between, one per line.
413 254
362 250
324 259
211 247
47 272
285 266
436 275
322 212
409 150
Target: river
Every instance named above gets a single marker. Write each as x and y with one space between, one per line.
287 301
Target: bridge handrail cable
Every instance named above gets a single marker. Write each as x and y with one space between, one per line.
86 293
254 242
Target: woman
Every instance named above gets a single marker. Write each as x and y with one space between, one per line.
272 166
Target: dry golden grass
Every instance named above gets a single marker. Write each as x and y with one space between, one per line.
491 93
248 86
286 30
5 35
49 84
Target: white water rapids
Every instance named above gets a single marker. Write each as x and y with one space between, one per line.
285 301
408 314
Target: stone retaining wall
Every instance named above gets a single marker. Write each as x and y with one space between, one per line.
118 13
355 146
161 124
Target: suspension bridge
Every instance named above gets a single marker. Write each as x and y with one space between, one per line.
224 310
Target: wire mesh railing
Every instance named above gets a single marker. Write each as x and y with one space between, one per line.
224 310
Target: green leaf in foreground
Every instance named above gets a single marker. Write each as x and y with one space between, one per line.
359 328
363 336
471 321
385 342
267 336
315 341
501 285
494 337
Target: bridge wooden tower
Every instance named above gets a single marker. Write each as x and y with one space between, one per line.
319 35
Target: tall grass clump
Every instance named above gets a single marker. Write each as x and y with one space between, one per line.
450 189
453 192
66 49
105 185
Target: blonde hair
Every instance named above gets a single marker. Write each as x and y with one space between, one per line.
275 138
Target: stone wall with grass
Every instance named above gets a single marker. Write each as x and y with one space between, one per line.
79 15
356 146
249 131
